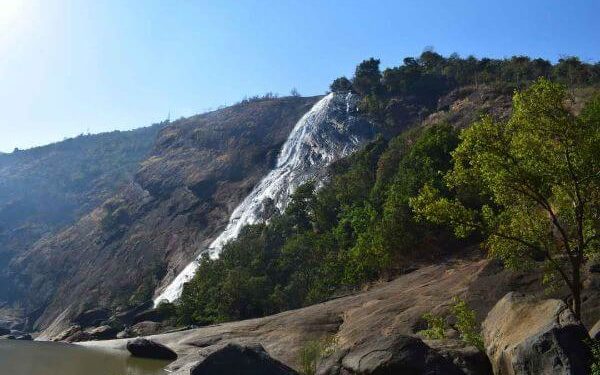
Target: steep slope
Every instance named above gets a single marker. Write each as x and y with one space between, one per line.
181 196
45 189
331 130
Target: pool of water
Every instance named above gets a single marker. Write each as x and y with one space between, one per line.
49 358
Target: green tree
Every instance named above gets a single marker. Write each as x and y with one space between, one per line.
537 178
367 77
341 84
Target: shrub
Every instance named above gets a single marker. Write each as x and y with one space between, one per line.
313 351
466 323
436 326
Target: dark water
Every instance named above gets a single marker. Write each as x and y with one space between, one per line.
47 358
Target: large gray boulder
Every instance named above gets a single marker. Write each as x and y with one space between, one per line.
145 348
525 336
394 354
237 359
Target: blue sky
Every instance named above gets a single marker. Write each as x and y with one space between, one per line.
68 66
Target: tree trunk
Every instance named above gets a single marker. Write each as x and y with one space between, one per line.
576 291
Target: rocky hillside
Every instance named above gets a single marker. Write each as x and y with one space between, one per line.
374 321
45 189
180 197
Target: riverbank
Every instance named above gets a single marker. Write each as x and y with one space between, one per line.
394 307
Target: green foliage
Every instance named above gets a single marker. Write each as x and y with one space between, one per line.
416 85
357 228
595 349
313 351
367 77
466 323
436 327
341 84
537 184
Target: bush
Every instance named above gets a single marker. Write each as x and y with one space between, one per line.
466 323
313 351
436 327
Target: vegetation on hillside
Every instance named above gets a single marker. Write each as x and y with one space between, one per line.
362 226
536 180
412 90
355 229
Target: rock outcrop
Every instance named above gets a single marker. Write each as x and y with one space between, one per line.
394 354
524 336
145 348
469 359
237 359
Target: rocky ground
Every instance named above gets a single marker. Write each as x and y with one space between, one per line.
381 319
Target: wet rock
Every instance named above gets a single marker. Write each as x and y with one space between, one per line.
525 336
25 337
397 354
236 359
145 348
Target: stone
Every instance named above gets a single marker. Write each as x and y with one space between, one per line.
394 354
237 359
595 331
92 318
63 336
102 333
146 328
145 348
534 337
469 359
25 337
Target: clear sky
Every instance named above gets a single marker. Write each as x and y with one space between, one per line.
69 66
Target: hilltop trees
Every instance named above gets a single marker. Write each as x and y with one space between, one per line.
341 84
530 185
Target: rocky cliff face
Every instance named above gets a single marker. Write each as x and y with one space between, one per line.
45 189
179 199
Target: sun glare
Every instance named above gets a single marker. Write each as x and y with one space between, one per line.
10 13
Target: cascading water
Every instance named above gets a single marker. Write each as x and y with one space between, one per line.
330 130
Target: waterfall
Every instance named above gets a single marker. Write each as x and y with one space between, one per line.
331 129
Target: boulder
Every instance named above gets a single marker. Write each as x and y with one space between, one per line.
78 336
126 317
102 333
92 318
64 335
25 337
469 359
395 354
144 329
595 331
145 348
236 359
527 336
